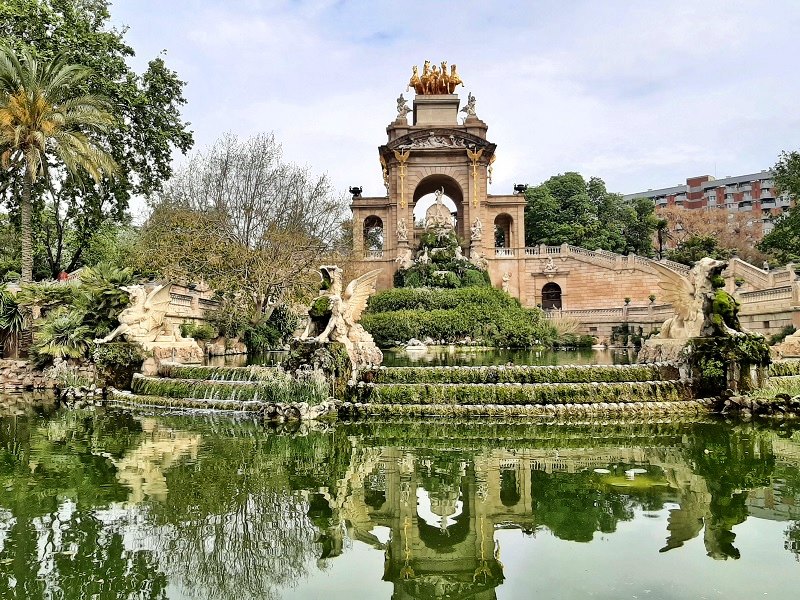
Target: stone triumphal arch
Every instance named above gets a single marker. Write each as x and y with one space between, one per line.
443 150
440 149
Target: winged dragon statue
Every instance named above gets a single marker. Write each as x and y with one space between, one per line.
692 298
340 322
143 319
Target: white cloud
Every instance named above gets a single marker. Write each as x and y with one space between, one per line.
642 94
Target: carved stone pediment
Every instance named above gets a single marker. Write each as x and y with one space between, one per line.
439 139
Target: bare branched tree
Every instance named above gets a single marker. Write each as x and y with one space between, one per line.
245 220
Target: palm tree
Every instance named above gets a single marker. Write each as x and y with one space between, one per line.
45 115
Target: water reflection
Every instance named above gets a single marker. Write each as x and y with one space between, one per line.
460 355
115 506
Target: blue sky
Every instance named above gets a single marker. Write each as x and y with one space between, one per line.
642 94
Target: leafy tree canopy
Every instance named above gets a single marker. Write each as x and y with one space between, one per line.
696 247
568 209
147 106
783 242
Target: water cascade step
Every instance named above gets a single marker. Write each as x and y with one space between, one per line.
518 390
264 390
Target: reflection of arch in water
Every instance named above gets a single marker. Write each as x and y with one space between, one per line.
551 296
373 233
503 227
509 488
453 198
432 535
425 510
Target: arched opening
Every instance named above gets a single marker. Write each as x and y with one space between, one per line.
509 488
452 199
551 296
502 231
373 237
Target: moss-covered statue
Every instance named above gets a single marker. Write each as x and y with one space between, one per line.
702 307
705 332
333 316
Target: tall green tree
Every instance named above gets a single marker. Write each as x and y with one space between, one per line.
568 209
44 116
149 128
783 242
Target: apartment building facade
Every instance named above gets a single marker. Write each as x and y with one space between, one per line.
753 193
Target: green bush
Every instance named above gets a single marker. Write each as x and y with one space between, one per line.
434 299
116 363
512 328
201 332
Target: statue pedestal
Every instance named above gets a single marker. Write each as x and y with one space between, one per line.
788 348
656 350
436 109
187 352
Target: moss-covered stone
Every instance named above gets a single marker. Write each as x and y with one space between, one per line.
725 362
329 357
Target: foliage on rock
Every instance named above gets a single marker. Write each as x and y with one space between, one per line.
520 374
116 362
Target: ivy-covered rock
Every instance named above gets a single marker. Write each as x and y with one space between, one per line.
329 357
727 362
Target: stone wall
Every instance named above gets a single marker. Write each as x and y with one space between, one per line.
20 375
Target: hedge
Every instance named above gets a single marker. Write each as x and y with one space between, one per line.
436 298
505 328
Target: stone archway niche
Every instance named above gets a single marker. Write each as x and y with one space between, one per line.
551 296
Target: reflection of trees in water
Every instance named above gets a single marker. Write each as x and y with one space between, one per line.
235 522
246 518
574 507
52 481
261 541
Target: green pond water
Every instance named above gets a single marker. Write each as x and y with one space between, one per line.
114 505
459 355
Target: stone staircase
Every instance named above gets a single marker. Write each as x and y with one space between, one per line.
265 391
516 391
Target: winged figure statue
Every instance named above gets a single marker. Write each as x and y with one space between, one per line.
691 297
143 319
345 310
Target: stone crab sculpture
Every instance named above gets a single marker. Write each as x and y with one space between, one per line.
334 316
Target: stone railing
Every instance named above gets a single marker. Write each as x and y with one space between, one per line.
778 293
373 254
608 258
504 252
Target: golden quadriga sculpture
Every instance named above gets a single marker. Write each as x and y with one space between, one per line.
434 80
